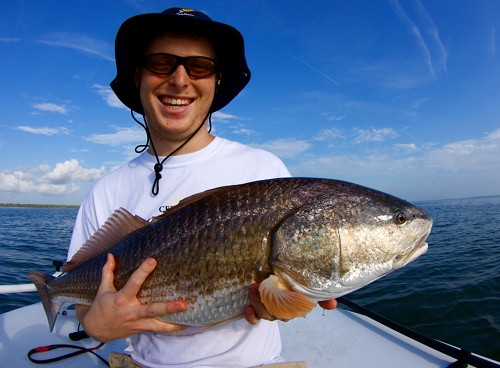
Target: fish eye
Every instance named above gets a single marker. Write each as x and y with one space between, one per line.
400 218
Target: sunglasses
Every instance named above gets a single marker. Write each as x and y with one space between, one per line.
165 64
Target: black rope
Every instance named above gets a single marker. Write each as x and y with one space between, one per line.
79 350
142 147
464 357
149 142
158 167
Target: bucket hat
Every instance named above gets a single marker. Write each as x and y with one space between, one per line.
135 34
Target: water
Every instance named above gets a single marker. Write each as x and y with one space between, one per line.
30 239
452 293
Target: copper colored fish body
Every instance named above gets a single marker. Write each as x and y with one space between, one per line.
304 240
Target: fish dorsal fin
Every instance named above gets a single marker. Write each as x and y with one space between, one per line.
186 202
281 302
120 224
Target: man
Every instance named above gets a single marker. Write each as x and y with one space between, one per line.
176 68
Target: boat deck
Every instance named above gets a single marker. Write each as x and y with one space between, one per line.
323 339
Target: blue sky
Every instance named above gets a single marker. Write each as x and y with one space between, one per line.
399 95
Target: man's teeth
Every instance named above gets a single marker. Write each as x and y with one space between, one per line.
176 102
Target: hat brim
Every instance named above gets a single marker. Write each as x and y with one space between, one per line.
136 33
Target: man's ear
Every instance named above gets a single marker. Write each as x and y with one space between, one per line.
219 78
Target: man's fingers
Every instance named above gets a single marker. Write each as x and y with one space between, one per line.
259 308
250 316
328 304
254 294
155 325
150 311
135 282
159 309
107 276
249 312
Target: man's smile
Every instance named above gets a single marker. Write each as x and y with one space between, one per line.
175 102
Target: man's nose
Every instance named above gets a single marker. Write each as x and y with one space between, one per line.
179 77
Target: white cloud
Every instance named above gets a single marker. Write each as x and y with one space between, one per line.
468 155
79 42
405 147
434 64
237 128
292 148
332 117
50 107
122 136
373 135
440 62
62 179
242 131
43 130
448 170
9 39
223 117
71 170
328 135
285 148
109 96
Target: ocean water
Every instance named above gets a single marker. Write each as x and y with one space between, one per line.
451 293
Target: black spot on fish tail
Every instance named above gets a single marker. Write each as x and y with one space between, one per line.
42 283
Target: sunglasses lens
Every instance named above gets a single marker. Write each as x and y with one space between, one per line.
165 64
199 67
160 64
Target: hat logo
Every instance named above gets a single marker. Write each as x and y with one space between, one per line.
185 11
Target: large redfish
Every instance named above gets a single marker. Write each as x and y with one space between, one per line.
303 239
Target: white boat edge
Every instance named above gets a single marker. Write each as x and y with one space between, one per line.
338 338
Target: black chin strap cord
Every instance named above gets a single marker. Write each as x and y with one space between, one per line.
149 142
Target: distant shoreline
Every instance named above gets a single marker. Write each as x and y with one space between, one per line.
31 205
38 205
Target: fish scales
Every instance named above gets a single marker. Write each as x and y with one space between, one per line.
205 239
224 253
306 233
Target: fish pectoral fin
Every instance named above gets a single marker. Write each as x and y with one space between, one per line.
282 302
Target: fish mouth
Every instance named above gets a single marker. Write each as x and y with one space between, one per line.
413 253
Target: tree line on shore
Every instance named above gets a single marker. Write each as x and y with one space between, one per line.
38 205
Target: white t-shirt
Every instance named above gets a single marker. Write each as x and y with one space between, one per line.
222 162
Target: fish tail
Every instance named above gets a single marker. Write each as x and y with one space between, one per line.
42 283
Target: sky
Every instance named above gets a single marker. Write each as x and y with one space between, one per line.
399 95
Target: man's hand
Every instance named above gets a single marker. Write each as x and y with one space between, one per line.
253 313
118 314
328 304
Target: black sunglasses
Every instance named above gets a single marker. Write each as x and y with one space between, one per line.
165 64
